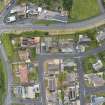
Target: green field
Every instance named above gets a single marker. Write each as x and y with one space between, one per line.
45 22
84 9
2 83
8 46
1 5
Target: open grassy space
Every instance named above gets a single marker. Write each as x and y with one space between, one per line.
101 55
1 5
14 69
87 63
45 22
8 46
2 83
84 9
33 75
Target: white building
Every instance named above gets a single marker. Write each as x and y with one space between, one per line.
98 65
27 92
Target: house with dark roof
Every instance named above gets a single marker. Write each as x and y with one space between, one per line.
83 39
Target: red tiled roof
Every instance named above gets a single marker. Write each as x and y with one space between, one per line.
23 73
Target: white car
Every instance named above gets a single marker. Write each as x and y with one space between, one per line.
11 19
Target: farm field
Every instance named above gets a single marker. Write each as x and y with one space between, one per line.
84 9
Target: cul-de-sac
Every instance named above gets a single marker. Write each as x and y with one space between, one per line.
52 52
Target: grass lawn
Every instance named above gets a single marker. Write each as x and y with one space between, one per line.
101 55
14 70
102 94
93 44
33 75
92 35
1 5
84 9
88 84
45 22
88 61
33 53
7 45
30 34
2 83
12 55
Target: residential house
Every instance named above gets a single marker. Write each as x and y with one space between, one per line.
23 71
26 91
98 65
97 100
68 63
54 66
95 80
83 39
29 41
66 45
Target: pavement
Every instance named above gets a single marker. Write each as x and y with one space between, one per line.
80 72
8 70
87 24
102 9
26 102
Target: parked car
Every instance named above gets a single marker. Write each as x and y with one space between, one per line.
11 19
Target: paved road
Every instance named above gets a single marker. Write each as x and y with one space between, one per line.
8 70
94 22
26 102
87 24
102 9
92 51
46 56
42 82
80 72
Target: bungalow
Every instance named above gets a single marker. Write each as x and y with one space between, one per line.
98 65
54 66
68 63
29 41
26 91
97 100
66 45
95 80
23 73
83 39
